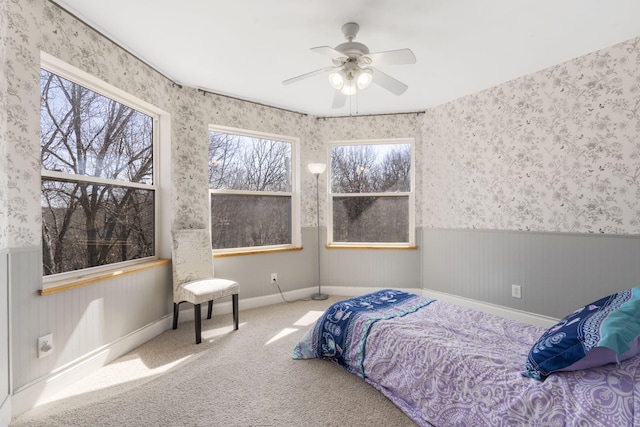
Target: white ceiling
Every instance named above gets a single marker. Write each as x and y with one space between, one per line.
246 48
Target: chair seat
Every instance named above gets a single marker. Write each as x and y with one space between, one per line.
199 291
194 279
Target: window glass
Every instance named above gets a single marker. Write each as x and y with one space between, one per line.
371 196
98 198
251 180
239 162
239 221
370 168
370 219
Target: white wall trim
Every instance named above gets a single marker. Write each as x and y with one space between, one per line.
186 313
43 389
509 313
22 249
5 412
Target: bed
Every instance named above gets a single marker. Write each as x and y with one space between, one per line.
447 365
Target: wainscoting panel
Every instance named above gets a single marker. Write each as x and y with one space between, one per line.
82 319
376 268
558 272
5 390
295 269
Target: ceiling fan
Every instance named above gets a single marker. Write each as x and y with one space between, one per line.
353 67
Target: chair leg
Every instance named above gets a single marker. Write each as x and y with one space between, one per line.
198 320
210 309
176 311
234 299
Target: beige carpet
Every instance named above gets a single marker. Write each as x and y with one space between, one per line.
234 378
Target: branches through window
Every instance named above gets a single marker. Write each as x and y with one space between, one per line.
371 195
252 190
98 194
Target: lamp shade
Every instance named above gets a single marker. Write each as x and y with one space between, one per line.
316 168
337 79
349 88
364 77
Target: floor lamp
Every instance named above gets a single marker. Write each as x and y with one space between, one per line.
317 169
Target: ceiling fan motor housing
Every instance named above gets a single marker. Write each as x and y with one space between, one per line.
352 49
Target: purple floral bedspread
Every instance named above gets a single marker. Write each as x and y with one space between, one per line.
447 365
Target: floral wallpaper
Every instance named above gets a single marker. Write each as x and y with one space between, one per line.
189 162
235 113
388 126
35 25
32 26
554 151
3 129
21 106
558 150
195 111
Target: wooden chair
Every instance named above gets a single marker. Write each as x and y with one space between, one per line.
193 276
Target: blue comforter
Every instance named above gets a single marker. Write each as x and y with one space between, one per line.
340 334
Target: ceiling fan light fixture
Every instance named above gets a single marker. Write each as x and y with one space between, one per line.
364 78
349 88
355 67
337 79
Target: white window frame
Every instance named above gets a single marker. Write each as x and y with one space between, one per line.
161 159
296 233
411 195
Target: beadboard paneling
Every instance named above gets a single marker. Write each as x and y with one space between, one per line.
4 328
558 272
81 319
253 272
378 268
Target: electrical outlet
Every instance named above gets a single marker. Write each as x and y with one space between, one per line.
274 278
516 291
45 345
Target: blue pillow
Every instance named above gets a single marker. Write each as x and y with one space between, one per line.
605 331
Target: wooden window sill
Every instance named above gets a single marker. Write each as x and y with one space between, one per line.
88 279
255 252
371 247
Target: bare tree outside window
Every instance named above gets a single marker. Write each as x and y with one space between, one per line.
250 182
97 195
370 189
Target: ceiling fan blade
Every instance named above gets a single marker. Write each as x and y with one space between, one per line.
392 57
307 75
339 99
389 83
329 51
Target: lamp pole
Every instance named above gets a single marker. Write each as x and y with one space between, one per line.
317 169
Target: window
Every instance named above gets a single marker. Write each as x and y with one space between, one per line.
371 196
253 190
98 190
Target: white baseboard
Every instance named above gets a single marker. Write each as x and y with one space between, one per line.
44 389
5 412
186 314
509 313
356 291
